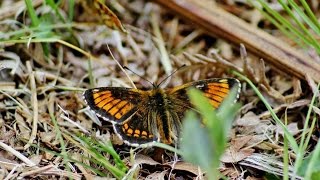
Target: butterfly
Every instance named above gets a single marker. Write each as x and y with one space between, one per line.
144 116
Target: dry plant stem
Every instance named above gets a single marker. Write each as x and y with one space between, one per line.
222 24
37 171
17 154
34 102
161 45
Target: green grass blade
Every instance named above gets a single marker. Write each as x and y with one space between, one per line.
287 27
32 13
311 15
304 16
305 31
288 135
305 141
71 10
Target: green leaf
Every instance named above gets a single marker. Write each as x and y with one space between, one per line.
195 143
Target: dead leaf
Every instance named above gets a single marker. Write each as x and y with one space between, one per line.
249 119
142 159
300 103
235 153
232 156
281 84
109 17
157 176
185 166
230 172
292 128
36 158
239 143
316 110
311 83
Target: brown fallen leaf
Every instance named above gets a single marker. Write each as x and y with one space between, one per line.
143 159
292 128
185 166
236 152
230 172
249 119
157 175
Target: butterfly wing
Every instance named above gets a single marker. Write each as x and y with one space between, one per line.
127 109
139 128
216 90
113 104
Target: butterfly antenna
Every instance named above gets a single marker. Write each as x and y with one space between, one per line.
125 67
164 80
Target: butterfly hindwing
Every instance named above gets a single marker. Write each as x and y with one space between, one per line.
138 129
114 104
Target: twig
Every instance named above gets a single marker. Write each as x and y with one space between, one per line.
34 102
17 154
217 22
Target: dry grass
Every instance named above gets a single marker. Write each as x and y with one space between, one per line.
41 85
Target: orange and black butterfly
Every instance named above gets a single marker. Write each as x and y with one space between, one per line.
143 116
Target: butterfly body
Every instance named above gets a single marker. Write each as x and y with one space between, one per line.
142 116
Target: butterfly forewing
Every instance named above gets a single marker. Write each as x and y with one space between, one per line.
215 90
114 104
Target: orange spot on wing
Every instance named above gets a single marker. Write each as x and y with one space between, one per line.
213 97
118 115
130 131
113 110
144 133
114 107
101 103
215 104
108 106
213 89
101 93
137 131
121 104
125 109
223 85
221 94
117 112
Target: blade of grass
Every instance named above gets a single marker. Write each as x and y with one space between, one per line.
303 34
57 129
107 147
304 16
285 150
313 161
310 14
93 151
52 40
305 141
288 135
73 160
32 13
275 16
71 10
305 31
55 6
92 147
